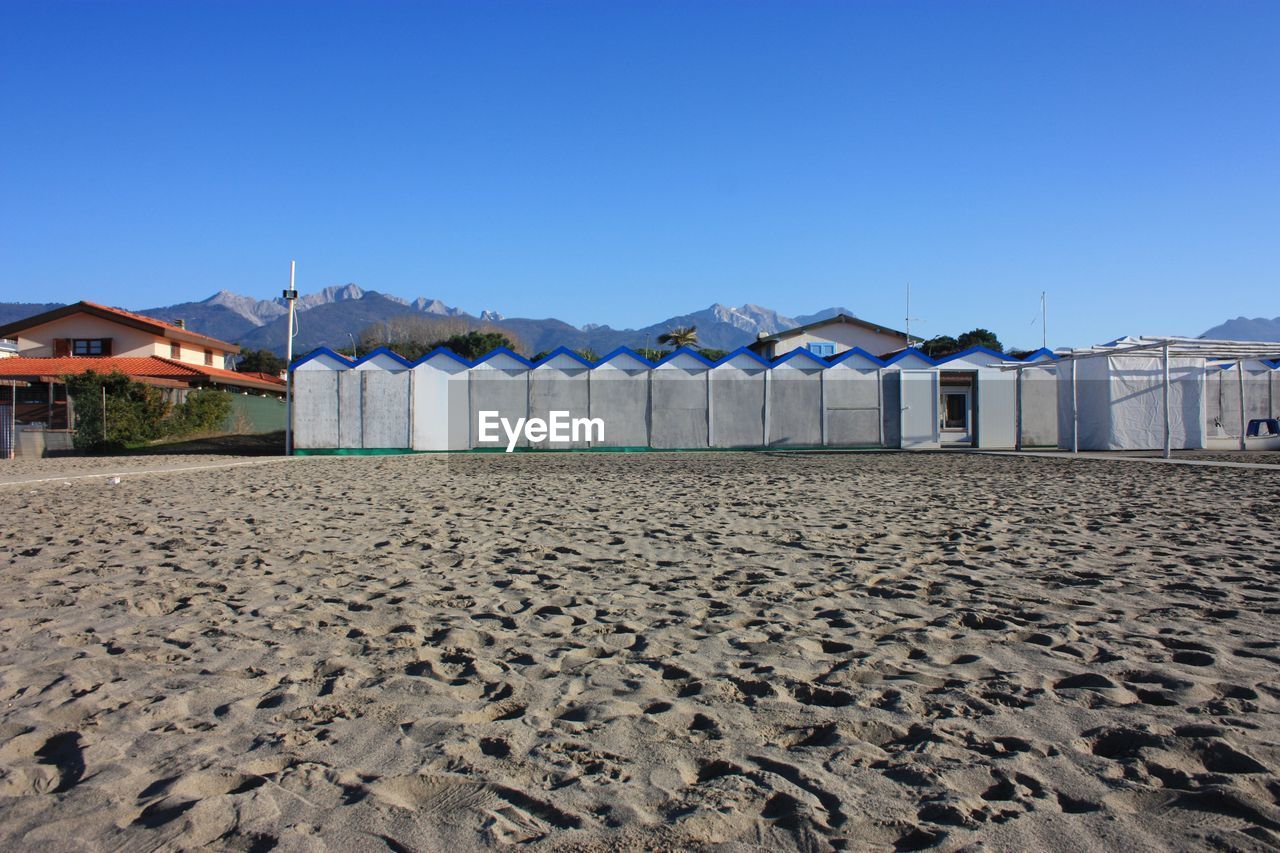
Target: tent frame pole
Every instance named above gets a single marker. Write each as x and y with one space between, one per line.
1240 386
1168 438
1017 410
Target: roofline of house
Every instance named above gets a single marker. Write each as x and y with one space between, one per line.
842 318
195 374
127 318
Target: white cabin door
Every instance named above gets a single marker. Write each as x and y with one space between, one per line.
919 408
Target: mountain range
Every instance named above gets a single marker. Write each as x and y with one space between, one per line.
1245 329
335 315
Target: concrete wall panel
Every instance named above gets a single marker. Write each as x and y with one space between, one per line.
1039 408
385 409
621 399
315 409
997 413
852 400
795 408
853 427
737 408
503 391
679 409
351 409
552 390
440 415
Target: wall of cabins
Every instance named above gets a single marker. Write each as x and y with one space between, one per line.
682 403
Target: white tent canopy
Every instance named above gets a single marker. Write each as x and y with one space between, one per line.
1138 393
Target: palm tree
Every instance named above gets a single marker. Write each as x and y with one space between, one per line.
681 336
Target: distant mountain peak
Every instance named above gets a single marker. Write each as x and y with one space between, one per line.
1246 329
749 318
332 293
256 311
435 306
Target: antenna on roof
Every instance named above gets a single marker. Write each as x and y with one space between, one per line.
1044 322
909 317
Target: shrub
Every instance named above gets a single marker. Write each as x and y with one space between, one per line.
204 411
137 413
134 412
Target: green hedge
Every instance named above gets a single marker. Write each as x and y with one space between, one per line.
136 413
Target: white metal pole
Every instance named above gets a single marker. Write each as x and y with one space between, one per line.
1168 437
288 361
908 317
1044 321
1240 384
1075 412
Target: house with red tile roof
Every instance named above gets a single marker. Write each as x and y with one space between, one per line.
86 336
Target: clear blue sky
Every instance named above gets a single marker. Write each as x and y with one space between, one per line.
621 162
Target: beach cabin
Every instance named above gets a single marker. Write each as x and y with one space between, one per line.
682 402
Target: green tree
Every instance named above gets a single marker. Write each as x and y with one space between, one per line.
681 336
712 354
474 344
980 338
413 336
260 361
940 346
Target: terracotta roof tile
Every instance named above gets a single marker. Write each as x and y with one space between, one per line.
149 366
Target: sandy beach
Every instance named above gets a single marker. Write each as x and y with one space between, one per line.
602 651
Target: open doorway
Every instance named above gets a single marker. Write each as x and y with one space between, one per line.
958 426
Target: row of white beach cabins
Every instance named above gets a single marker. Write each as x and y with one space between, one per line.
1135 396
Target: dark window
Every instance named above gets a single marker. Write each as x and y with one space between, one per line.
956 415
91 346
175 350
208 357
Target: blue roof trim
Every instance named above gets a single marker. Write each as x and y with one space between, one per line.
382 351
857 351
445 352
801 352
747 351
625 351
563 351
907 353
684 351
501 351
316 353
973 350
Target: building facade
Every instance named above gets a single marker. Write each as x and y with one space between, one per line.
831 337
